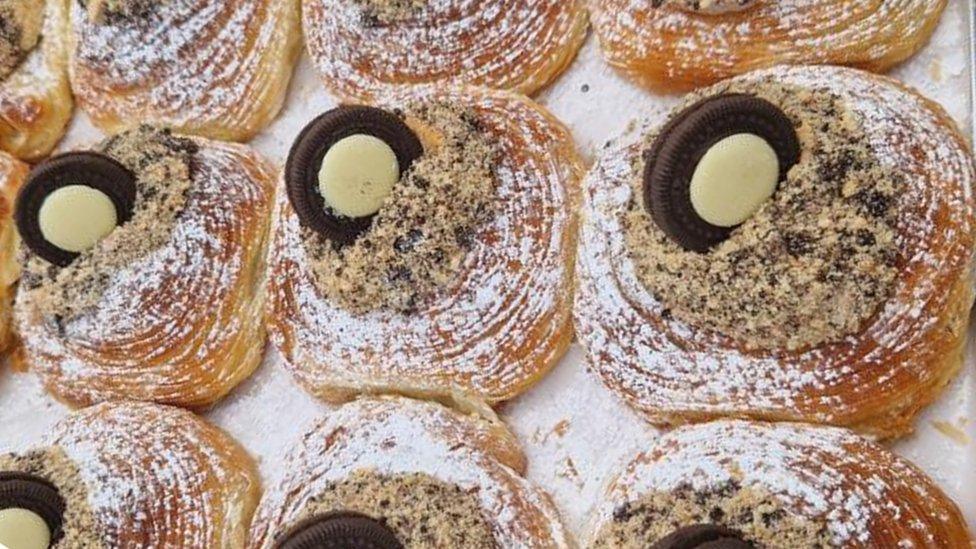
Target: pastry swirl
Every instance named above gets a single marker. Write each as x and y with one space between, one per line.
12 174
503 319
35 99
874 378
776 485
183 324
141 475
395 440
669 47
363 47
215 68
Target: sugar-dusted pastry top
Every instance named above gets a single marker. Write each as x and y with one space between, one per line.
778 485
365 47
215 68
875 223
451 467
460 282
166 307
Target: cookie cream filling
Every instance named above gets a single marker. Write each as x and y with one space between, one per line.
816 260
20 32
51 464
161 163
758 516
419 238
420 510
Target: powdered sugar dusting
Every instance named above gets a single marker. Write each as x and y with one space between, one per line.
858 490
663 367
159 477
502 44
503 320
183 324
395 436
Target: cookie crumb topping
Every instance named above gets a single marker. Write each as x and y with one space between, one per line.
417 241
385 12
813 264
20 32
161 162
420 510
707 6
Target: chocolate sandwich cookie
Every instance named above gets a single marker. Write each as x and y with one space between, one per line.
344 165
703 536
340 531
714 164
71 202
31 511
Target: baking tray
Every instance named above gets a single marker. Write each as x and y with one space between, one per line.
575 433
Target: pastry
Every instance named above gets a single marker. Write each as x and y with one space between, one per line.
792 244
215 68
737 485
142 269
128 475
363 47
427 248
405 473
35 98
12 175
675 45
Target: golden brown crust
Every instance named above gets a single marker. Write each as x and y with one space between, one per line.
185 324
500 327
35 100
160 476
12 175
519 45
875 380
666 48
852 492
394 436
223 74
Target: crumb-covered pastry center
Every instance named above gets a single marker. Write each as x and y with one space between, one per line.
756 515
429 220
708 6
78 526
20 32
419 510
812 265
161 163
385 12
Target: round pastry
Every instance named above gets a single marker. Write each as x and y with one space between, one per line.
674 45
402 473
35 98
129 475
12 175
793 244
362 47
143 267
426 249
214 68
738 485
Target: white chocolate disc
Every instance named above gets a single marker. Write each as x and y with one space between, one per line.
733 179
23 529
357 175
76 217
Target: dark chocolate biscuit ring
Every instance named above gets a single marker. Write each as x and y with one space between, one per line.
672 159
86 169
703 536
343 530
314 142
25 491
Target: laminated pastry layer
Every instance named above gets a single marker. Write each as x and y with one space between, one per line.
875 353
451 467
168 307
366 47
